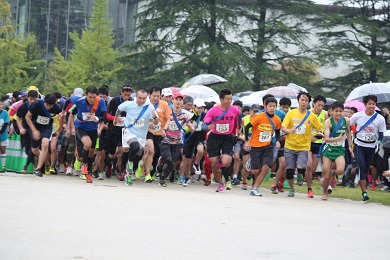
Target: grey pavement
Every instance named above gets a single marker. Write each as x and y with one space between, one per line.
62 217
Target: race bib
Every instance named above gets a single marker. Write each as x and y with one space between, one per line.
1 122
222 128
140 123
199 127
42 120
301 130
121 124
265 137
369 137
154 128
88 117
173 126
338 143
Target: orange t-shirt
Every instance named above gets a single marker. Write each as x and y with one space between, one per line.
164 112
262 131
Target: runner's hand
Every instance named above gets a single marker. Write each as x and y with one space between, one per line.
36 135
22 131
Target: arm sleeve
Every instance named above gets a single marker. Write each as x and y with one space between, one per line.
246 131
3 128
277 135
102 117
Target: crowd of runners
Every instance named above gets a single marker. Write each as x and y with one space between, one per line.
158 136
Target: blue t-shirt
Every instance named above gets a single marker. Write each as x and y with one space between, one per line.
85 120
4 118
132 109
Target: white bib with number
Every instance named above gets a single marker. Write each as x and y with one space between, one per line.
87 116
42 120
139 124
121 123
301 130
173 126
338 143
154 128
199 127
222 128
369 137
265 137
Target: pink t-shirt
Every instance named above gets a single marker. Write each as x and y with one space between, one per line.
14 108
227 124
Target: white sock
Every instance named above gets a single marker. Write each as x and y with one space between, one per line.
235 176
3 158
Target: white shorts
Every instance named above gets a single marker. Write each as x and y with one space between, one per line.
128 137
4 143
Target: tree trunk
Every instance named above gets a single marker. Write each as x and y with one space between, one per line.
259 59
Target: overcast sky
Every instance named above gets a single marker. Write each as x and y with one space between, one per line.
323 2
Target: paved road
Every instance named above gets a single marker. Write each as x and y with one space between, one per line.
62 217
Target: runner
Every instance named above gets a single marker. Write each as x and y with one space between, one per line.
370 128
336 129
40 120
90 112
166 95
172 143
298 125
222 120
265 126
4 122
139 114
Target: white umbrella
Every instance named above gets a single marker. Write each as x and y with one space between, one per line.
380 90
296 87
254 98
199 91
204 80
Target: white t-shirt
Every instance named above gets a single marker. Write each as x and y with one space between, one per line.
370 133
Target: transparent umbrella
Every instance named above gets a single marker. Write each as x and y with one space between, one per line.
282 92
380 90
204 80
199 91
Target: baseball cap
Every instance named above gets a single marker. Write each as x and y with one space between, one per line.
166 92
178 94
255 107
33 88
78 92
199 102
23 93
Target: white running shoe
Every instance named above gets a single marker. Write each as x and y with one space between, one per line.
101 175
68 170
196 169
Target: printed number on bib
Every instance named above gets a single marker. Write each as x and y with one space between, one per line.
154 128
42 120
173 126
88 117
368 137
222 128
121 123
140 123
265 137
301 130
199 127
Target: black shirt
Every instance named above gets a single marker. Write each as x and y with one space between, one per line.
111 109
39 117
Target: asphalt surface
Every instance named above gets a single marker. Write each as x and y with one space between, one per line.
62 217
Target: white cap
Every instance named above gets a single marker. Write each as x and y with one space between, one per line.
166 92
199 102
78 92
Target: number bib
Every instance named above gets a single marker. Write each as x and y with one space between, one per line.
42 120
154 128
173 126
338 143
199 127
301 130
1 122
369 137
265 137
222 128
121 124
88 117
140 123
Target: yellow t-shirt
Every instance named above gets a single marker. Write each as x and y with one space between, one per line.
301 139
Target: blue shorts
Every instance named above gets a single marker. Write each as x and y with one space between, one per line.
45 133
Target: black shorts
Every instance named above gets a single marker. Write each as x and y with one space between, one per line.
80 133
25 141
103 143
115 140
280 153
261 156
217 143
315 148
170 152
190 148
45 133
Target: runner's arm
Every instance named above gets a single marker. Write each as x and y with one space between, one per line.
3 128
246 131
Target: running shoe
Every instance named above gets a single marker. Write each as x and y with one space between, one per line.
330 189
121 176
108 172
193 178
236 181
82 176
24 169
244 186
385 188
68 170
181 180
196 168
38 172
2 168
101 175
221 187
95 174
280 186
128 179
140 170
148 178
255 192
228 185
88 177
310 194
333 183
84 169
291 193
373 186
163 184
352 185
324 197
186 182
274 189
47 169
365 196
300 179
61 169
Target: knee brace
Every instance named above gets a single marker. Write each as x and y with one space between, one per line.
290 174
302 171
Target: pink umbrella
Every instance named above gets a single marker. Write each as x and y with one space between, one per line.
359 105
175 90
282 92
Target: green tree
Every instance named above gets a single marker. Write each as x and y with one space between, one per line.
93 61
361 37
56 74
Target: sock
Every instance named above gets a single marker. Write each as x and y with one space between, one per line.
235 176
226 174
85 156
90 162
3 158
